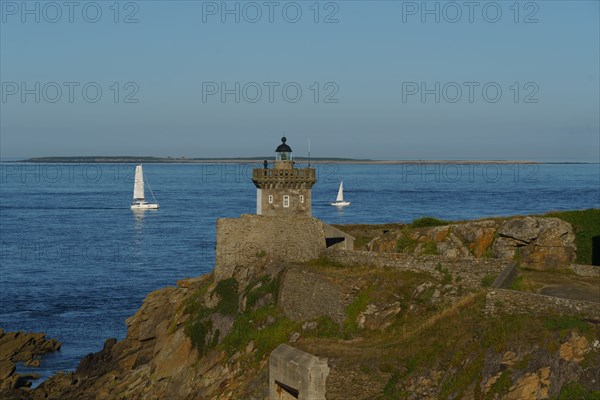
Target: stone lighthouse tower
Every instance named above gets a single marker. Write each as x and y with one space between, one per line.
283 189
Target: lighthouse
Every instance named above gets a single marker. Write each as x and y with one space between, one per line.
282 189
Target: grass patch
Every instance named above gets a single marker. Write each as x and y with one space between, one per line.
227 290
327 328
430 248
575 391
487 280
446 275
586 224
198 327
353 310
458 345
197 331
501 386
267 285
459 382
563 323
252 326
261 254
427 222
406 244
389 392
523 284
324 261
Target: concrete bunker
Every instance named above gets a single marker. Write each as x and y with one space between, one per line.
337 238
295 374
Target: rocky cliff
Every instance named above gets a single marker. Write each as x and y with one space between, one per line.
26 348
413 326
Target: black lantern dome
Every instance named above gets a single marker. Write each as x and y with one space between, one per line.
284 152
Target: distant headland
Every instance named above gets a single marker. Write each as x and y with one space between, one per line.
241 160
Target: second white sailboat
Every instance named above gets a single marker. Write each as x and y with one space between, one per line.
339 201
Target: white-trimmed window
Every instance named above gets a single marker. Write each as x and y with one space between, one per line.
301 198
286 201
270 199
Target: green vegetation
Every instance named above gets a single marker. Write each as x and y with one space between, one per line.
227 290
446 274
327 328
501 386
575 391
523 284
261 254
389 391
456 384
565 323
430 248
405 243
586 224
487 280
197 330
427 222
260 288
324 262
266 326
353 310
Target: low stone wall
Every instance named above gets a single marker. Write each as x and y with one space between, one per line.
471 271
586 270
244 241
515 302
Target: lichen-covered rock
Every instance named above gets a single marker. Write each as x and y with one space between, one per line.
575 349
453 247
543 243
539 242
478 235
532 386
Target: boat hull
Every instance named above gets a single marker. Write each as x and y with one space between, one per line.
340 203
144 206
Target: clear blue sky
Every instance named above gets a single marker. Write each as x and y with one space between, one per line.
374 50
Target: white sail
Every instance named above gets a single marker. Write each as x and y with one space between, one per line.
138 188
340 196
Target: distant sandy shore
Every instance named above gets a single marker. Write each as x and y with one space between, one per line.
258 160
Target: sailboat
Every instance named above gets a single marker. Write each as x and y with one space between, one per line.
339 201
139 200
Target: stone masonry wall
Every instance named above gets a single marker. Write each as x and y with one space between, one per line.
471 271
305 295
586 270
244 241
512 301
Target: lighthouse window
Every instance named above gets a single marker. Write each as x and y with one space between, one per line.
301 199
286 201
270 199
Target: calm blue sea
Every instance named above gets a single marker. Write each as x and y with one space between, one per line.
76 262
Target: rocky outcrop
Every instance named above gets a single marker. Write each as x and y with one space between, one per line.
538 242
544 243
152 362
22 347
